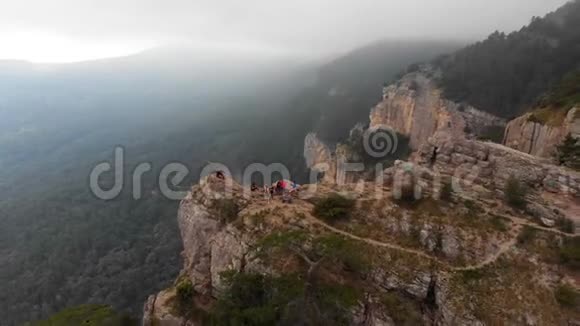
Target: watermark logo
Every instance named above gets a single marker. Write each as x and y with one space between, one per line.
107 179
380 142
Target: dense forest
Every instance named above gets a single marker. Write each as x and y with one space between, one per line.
508 74
60 246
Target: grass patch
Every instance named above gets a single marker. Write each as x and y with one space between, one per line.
333 208
549 116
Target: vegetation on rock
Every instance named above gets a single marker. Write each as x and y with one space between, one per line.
184 293
568 153
333 208
567 296
515 192
404 311
227 210
570 253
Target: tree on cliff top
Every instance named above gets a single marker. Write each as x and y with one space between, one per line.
506 74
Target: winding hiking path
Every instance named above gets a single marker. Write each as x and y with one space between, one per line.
503 248
305 209
375 242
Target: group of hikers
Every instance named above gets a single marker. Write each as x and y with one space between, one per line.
283 188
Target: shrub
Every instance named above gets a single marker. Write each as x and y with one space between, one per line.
472 275
227 210
403 311
515 192
499 224
565 225
570 253
184 291
255 299
333 208
527 235
566 296
447 192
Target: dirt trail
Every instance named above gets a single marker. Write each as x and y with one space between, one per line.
305 208
375 242
503 248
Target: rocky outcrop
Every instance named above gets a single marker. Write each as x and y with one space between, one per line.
319 157
330 162
490 165
531 136
480 170
414 107
210 247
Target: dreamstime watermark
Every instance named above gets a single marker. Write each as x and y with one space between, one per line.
378 143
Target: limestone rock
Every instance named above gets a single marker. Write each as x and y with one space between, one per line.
319 157
539 139
415 108
449 243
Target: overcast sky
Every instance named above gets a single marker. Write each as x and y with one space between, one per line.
72 30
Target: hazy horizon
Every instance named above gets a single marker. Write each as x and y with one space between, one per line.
65 31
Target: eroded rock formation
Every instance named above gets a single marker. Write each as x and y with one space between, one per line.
481 170
414 107
540 139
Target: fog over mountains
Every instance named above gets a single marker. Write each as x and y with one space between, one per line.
163 105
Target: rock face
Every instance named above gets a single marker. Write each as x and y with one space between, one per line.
535 138
330 163
210 247
319 157
481 170
415 108
490 165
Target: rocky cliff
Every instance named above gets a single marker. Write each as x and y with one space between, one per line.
367 253
482 169
540 138
424 262
414 107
